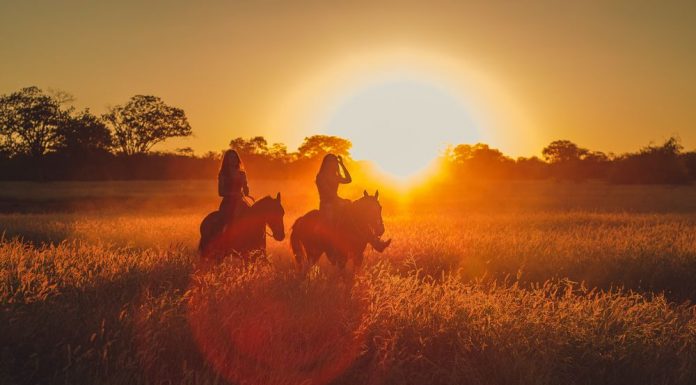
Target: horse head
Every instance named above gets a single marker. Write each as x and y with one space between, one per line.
273 213
371 212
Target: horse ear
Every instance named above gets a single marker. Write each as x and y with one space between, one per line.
278 196
376 194
365 193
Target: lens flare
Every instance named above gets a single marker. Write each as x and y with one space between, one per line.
255 325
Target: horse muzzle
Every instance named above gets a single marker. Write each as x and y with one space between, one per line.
279 236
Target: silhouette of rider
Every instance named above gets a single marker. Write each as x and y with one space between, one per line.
333 173
232 186
328 179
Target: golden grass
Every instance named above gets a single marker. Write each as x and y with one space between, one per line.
463 295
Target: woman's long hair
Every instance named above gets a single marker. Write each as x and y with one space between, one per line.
230 162
329 166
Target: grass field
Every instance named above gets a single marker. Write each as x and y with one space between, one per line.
501 283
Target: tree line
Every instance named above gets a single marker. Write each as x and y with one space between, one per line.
665 163
42 137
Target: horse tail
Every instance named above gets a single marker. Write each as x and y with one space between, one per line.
296 243
201 242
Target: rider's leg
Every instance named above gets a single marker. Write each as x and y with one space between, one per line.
328 217
227 208
238 207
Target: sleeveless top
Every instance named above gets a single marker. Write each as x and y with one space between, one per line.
328 187
232 185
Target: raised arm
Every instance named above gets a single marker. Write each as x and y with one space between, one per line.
346 174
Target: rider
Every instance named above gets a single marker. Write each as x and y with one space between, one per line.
232 186
328 179
331 174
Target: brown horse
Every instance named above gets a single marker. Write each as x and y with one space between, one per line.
246 236
361 223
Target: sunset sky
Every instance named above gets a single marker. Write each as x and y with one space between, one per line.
609 75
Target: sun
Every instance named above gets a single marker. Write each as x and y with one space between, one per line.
402 105
401 122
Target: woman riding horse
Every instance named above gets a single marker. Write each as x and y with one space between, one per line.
361 224
327 181
331 206
246 236
236 226
232 186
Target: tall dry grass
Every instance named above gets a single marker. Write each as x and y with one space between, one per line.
81 313
647 252
535 295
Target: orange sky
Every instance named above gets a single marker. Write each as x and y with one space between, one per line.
611 76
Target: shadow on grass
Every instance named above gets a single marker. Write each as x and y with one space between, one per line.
131 330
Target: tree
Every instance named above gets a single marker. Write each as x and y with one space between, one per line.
479 153
257 145
185 151
320 145
670 148
83 134
212 156
595 156
480 160
145 121
29 122
560 151
689 159
62 97
278 151
531 168
653 164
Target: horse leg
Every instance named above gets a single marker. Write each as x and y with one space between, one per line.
340 261
313 255
357 262
298 248
346 272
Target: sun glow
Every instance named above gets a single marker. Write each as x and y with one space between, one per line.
401 107
401 123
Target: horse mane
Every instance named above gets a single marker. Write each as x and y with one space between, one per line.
264 203
363 200
263 199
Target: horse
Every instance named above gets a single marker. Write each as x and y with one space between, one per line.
245 237
361 223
